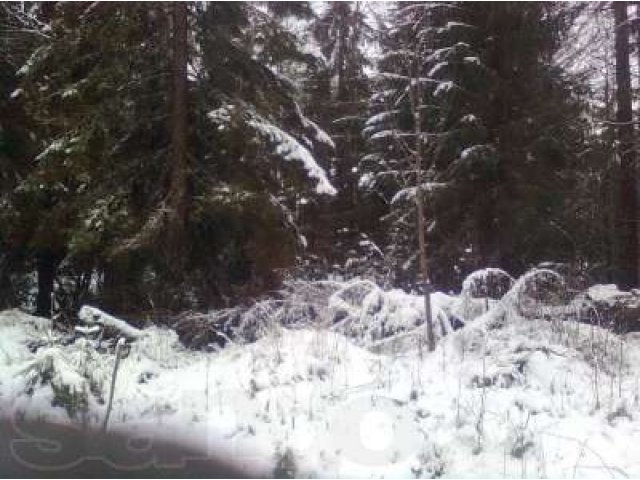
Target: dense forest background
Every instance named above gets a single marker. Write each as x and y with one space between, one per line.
159 157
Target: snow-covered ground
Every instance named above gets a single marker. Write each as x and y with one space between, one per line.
502 397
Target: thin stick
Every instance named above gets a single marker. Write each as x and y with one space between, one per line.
620 366
206 389
119 345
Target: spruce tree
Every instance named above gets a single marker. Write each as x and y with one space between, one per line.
160 140
493 166
338 92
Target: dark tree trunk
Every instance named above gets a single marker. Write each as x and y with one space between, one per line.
486 234
626 218
636 30
609 185
178 198
46 266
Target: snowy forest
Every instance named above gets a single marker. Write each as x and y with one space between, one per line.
320 239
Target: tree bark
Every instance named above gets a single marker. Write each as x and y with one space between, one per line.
610 185
178 198
46 266
414 96
626 220
636 31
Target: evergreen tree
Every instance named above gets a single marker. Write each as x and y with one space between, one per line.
337 94
494 167
163 155
16 146
110 194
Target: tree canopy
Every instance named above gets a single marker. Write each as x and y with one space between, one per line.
190 155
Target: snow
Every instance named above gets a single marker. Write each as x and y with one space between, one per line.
383 95
319 135
69 92
54 147
444 87
457 24
92 315
384 134
469 118
476 280
284 144
467 153
505 396
607 294
87 330
472 60
369 315
369 244
409 193
397 76
381 117
367 180
436 68
38 54
443 53
221 115
480 289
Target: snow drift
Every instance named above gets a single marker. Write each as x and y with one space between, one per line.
507 395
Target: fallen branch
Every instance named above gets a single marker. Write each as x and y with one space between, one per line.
92 315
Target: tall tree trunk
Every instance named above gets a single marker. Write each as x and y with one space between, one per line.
609 184
178 198
486 253
636 31
627 199
414 98
342 11
46 266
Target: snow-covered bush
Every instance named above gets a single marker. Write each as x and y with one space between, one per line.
491 283
95 316
357 308
367 314
607 305
299 303
53 367
536 293
495 397
481 289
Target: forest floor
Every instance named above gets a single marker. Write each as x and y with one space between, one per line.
504 396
